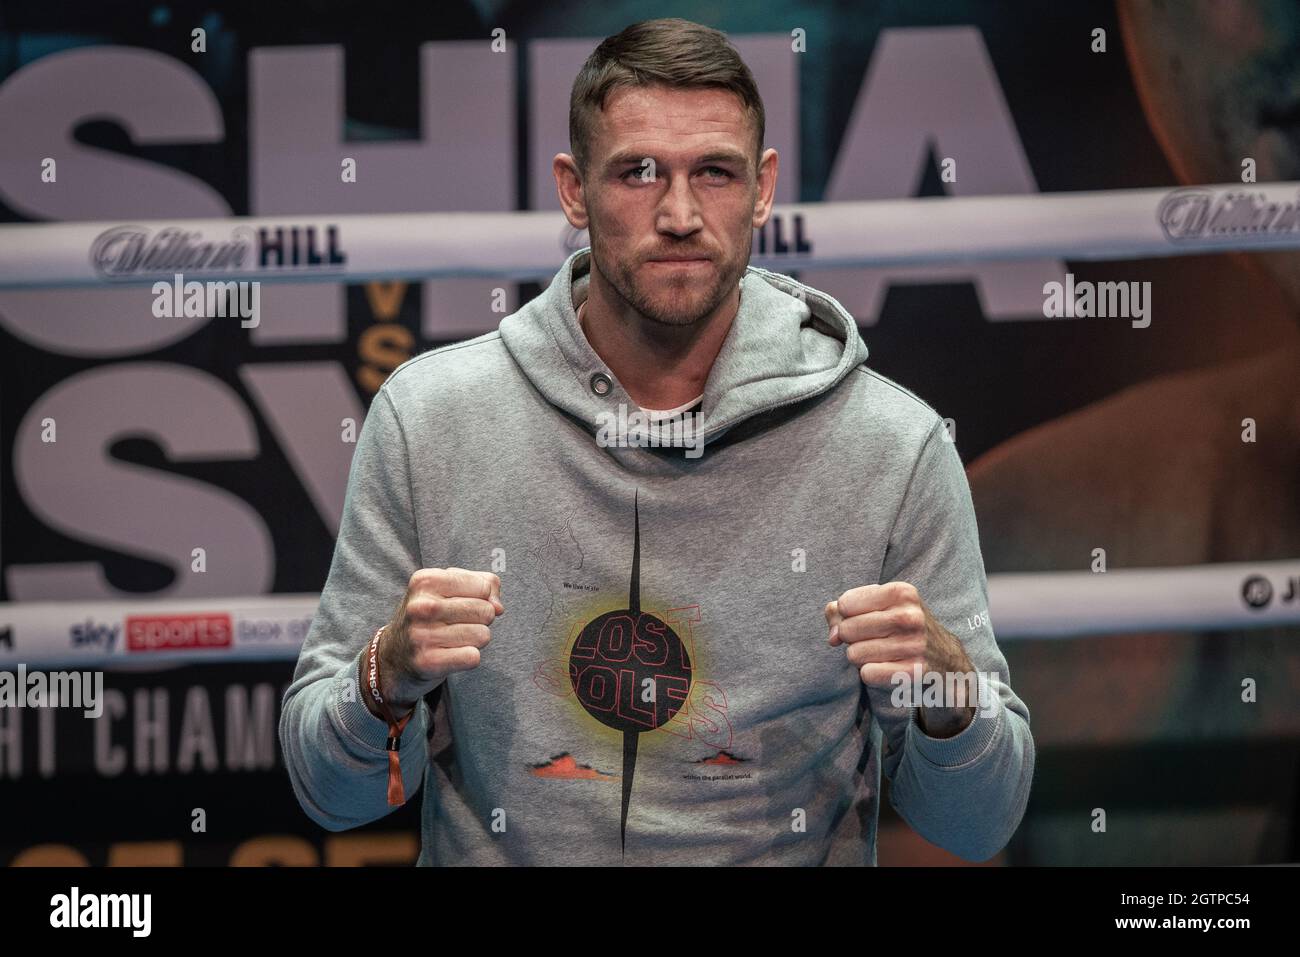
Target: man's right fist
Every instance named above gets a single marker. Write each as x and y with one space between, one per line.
440 627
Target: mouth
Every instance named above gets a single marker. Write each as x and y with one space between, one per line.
680 261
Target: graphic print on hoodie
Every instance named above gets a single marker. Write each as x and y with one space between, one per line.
631 670
817 475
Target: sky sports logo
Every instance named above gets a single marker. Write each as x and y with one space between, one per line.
134 911
93 634
178 632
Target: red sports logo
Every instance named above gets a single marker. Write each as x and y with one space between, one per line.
172 632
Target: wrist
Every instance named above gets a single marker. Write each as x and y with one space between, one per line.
383 708
378 688
363 683
944 722
397 685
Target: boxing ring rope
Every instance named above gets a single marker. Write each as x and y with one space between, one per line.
1107 224
1096 225
1021 606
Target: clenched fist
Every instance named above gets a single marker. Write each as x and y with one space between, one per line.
441 626
887 629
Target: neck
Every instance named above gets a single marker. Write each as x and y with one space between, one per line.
660 366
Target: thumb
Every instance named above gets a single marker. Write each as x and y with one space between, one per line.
495 594
833 619
833 616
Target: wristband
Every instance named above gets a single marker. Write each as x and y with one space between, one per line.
396 792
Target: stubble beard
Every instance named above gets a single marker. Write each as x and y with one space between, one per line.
672 303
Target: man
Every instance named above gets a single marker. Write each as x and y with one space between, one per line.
720 536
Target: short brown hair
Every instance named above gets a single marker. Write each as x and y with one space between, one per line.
666 52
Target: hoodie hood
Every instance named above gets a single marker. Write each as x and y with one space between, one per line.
788 342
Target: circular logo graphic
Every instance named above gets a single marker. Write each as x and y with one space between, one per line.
630 670
1257 591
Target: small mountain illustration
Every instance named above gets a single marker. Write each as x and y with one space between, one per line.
566 766
722 757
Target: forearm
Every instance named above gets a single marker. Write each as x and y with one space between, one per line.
961 695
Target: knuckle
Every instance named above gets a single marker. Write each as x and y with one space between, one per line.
428 580
424 608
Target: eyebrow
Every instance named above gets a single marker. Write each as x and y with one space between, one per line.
634 158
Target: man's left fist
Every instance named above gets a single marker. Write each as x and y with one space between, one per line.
888 629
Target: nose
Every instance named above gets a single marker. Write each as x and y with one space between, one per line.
679 213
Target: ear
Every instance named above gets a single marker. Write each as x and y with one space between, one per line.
568 185
768 166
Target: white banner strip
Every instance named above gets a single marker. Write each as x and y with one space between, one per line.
1192 598
152 634
1110 224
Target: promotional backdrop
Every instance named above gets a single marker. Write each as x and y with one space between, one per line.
206 433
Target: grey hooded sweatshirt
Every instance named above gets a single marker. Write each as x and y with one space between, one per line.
660 689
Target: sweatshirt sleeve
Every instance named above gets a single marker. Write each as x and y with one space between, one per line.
966 793
333 747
